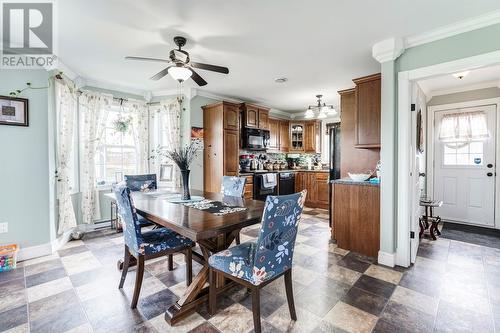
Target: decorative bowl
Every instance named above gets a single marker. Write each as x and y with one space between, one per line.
359 177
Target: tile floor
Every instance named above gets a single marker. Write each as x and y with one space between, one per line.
453 287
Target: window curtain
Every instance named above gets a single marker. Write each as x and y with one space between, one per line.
140 124
167 116
464 127
93 107
66 109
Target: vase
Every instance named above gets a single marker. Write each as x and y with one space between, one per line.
185 185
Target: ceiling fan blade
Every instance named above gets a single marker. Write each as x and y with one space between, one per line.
147 59
160 74
213 68
197 78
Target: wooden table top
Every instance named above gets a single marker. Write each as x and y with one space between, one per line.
194 223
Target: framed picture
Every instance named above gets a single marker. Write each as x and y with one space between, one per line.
197 132
166 172
13 111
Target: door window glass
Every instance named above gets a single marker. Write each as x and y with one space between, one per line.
460 153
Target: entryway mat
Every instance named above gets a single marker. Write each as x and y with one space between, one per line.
471 234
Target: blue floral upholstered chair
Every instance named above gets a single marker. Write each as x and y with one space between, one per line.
233 186
255 264
147 245
142 183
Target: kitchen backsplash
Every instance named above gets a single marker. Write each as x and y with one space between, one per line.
302 159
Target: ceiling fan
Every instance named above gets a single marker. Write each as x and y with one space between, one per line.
181 67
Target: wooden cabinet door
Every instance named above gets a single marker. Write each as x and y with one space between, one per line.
367 116
312 191
322 190
251 116
299 181
284 140
231 117
231 147
310 136
297 137
274 134
264 119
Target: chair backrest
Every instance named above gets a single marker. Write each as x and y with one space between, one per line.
233 186
130 223
274 248
141 183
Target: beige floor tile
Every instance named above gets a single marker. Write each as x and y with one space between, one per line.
306 249
97 288
184 326
303 275
12 300
80 262
48 289
464 299
434 265
306 321
73 243
234 319
351 319
415 300
343 274
179 288
85 328
40 259
340 251
383 273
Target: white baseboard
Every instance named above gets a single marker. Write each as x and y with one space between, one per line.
386 259
43 249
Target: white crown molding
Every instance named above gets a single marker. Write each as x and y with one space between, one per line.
71 74
217 96
115 87
453 29
388 49
279 114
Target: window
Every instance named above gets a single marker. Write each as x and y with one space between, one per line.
459 153
116 154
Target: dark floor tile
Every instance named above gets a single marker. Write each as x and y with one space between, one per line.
12 274
311 212
43 266
94 275
420 283
451 318
223 302
407 319
375 286
157 303
471 234
427 250
385 327
11 286
365 301
72 250
39 278
269 303
13 318
52 304
206 327
352 262
251 232
60 321
267 327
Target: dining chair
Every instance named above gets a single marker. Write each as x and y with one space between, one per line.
147 245
235 187
256 264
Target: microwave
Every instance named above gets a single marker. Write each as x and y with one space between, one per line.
255 139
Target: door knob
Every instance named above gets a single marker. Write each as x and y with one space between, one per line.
421 174
489 165
489 174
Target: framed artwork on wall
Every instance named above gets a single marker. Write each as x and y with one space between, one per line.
13 111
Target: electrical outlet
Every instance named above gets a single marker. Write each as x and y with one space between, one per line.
4 227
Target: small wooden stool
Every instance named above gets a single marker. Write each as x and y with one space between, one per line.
429 219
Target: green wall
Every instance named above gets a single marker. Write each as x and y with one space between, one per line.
465 96
24 164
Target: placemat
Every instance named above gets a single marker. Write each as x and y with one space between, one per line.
218 208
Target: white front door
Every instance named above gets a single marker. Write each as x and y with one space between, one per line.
464 174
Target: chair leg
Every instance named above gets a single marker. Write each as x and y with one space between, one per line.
238 239
170 262
138 281
212 291
188 256
289 294
126 264
256 309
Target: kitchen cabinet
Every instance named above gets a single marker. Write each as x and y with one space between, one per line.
248 192
221 141
367 115
297 137
284 136
274 134
312 132
316 184
356 217
263 118
255 116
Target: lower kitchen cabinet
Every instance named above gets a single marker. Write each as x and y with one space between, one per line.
316 184
248 193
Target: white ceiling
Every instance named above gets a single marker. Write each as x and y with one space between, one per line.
476 79
318 45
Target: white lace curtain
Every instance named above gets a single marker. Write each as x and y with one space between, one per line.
140 126
167 116
464 127
93 107
66 110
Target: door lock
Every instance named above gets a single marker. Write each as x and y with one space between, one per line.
489 165
489 174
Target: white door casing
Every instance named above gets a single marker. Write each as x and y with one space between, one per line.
460 174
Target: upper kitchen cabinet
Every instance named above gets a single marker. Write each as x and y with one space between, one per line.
297 137
255 116
284 138
231 117
367 115
274 134
312 133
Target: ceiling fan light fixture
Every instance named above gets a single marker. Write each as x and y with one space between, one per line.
179 73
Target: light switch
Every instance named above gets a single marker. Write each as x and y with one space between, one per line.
4 227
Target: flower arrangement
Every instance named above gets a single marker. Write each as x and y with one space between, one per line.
122 124
182 156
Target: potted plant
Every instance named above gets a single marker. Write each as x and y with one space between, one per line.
183 158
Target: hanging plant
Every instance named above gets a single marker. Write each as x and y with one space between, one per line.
122 124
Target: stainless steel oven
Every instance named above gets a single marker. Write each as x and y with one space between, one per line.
255 139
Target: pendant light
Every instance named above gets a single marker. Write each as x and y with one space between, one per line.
320 110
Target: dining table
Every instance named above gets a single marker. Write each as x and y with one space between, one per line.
212 233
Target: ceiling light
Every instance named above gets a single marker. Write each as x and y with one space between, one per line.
320 110
280 79
332 112
180 74
309 114
322 115
461 75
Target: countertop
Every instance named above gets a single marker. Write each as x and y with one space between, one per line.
349 181
281 171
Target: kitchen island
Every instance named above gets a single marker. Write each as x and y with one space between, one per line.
356 215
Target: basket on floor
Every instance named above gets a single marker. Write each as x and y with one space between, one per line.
8 257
